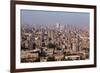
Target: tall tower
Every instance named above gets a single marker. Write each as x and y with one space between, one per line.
57 25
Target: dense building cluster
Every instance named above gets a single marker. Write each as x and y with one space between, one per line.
56 42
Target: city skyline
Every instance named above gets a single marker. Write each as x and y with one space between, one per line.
54 36
37 17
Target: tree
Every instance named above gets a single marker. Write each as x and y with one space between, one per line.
50 45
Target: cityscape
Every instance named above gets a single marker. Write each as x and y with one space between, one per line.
54 42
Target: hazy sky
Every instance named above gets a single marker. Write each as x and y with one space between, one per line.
52 17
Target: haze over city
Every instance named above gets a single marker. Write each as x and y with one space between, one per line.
37 17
